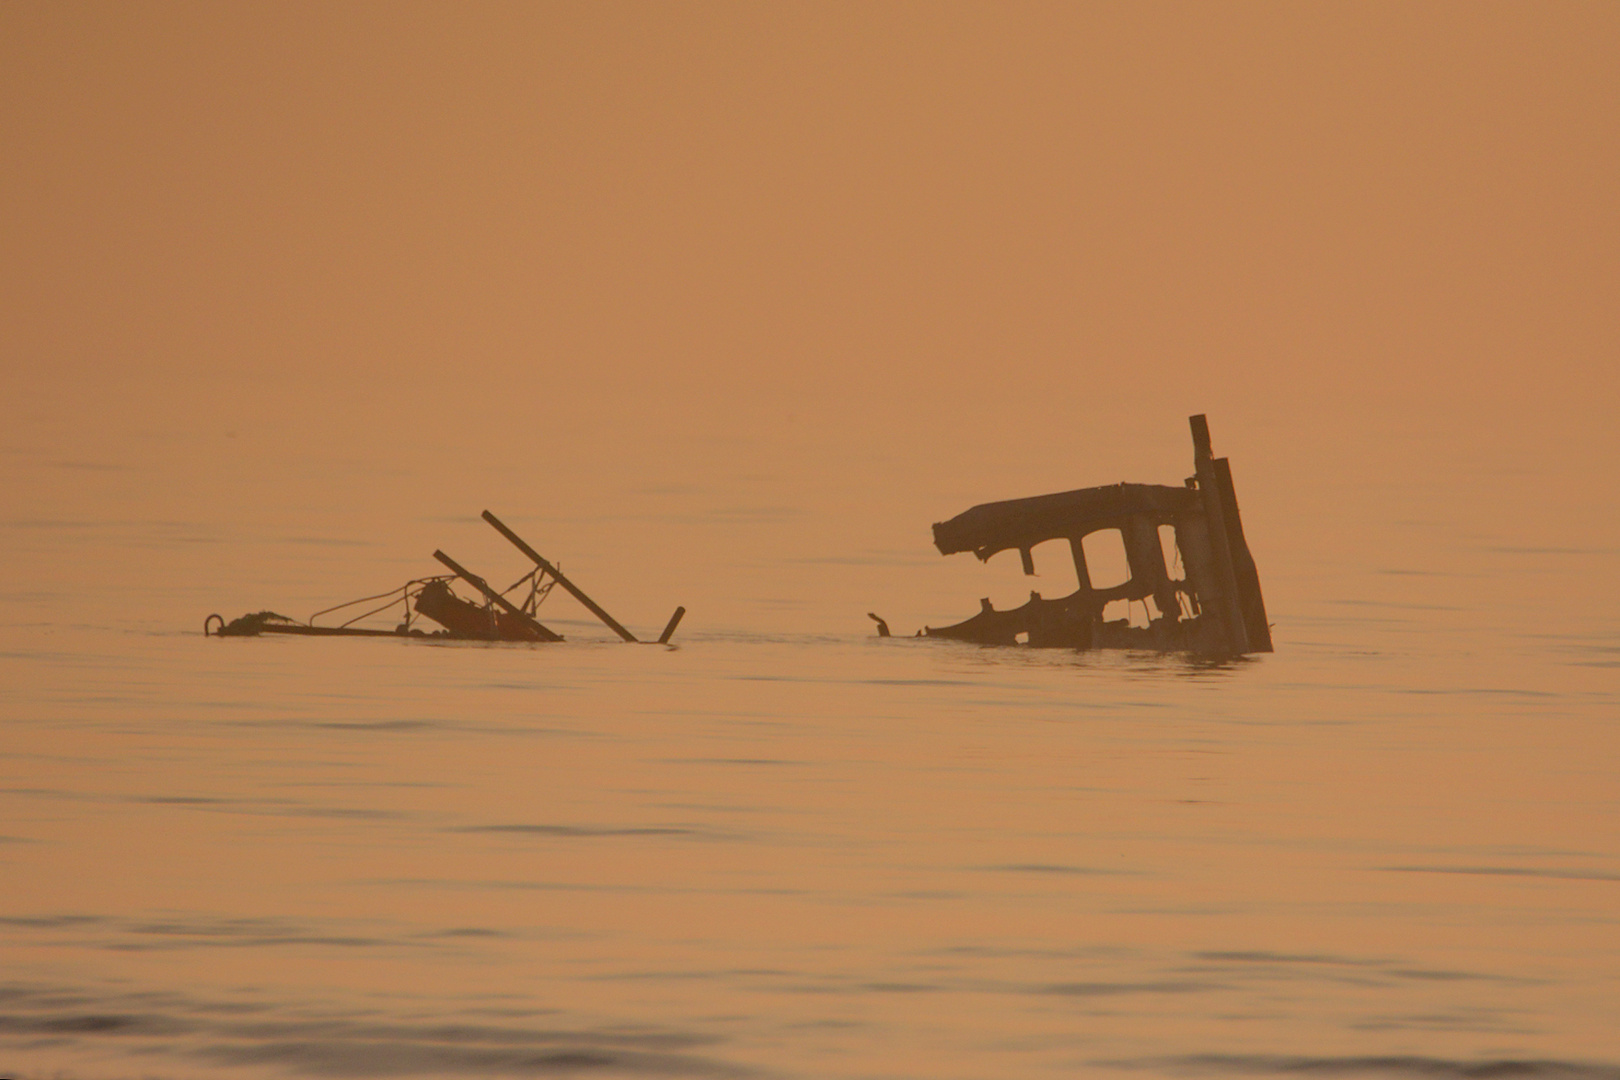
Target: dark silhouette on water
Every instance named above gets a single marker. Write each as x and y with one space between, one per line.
497 619
1215 609
557 576
438 603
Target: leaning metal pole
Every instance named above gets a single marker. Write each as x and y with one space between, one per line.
545 632
540 561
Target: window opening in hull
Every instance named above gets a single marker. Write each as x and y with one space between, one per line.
1105 558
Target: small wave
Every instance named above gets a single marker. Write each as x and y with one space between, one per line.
1052 868
179 1029
582 830
1398 1066
1561 874
1262 957
1110 989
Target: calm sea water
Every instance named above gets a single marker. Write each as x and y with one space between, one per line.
784 847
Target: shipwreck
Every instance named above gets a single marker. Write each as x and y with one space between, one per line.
495 616
1213 607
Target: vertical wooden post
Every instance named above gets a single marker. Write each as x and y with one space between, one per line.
1251 604
675 620
1082 573
1145 555
1228 603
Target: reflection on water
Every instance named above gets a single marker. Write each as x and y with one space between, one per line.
815 855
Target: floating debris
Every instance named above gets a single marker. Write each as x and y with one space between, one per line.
1215 608
498 618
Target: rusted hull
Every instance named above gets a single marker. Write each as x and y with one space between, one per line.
1215 607
1075 622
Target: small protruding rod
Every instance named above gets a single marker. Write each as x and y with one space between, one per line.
1200 437
518 542
669 628
882 627
545 632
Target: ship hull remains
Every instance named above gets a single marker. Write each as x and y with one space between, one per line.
1214 608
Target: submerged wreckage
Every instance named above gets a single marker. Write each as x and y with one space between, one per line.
1214 608
496 619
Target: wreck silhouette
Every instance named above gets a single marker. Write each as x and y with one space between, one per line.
1214 609
433 598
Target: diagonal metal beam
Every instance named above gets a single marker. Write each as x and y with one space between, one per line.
545 632
539 560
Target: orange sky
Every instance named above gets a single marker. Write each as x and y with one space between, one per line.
766 198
